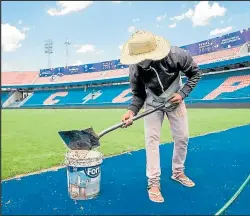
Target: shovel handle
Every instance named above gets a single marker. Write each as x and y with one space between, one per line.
134 119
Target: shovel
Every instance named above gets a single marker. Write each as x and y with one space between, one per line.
87 139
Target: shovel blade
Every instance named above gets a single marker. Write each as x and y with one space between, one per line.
80 139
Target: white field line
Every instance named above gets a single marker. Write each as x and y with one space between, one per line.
56 168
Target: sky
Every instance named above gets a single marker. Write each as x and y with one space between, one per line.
97 30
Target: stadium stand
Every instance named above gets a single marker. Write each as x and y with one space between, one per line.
18 78
95 95
221 86
4 96
69 78
217 56
83 76
33 78
105 83
115 73
216 87
94 75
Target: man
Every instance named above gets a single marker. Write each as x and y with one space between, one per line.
155 78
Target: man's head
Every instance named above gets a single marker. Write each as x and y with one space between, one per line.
143 48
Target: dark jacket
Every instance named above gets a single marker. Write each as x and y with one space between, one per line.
178 60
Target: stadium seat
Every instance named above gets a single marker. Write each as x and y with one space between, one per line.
217 56
97 95
116 73
18 78
222 86
69 78
4 96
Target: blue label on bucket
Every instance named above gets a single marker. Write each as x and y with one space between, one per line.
83 182
92 172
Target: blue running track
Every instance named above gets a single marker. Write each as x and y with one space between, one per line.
217 162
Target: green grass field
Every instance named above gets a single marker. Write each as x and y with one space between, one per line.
30 141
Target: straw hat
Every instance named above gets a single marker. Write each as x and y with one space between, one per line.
144 45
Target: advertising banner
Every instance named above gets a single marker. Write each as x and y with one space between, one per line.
87 68
219 43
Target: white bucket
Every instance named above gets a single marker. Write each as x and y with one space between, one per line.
83 173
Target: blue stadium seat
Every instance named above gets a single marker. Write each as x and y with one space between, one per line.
212 88
5 95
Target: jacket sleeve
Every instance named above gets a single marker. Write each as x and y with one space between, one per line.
138 90
191 71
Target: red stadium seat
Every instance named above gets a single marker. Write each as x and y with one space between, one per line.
116 73
18 78
84 76
217 56
70 78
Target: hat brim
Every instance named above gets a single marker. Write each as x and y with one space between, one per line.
162 50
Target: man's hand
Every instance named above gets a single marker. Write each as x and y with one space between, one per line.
176 98
127 118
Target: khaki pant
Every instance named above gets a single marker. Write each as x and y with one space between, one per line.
179 129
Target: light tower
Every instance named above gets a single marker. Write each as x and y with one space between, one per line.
48 50
67 43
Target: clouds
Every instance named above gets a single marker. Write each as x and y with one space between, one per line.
77 62
25 29
118 2
87 48
218 31
185 15
11 37
120 47
172 25
20 22
66 7
131 29
161 17
136 20
6 67
202 13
